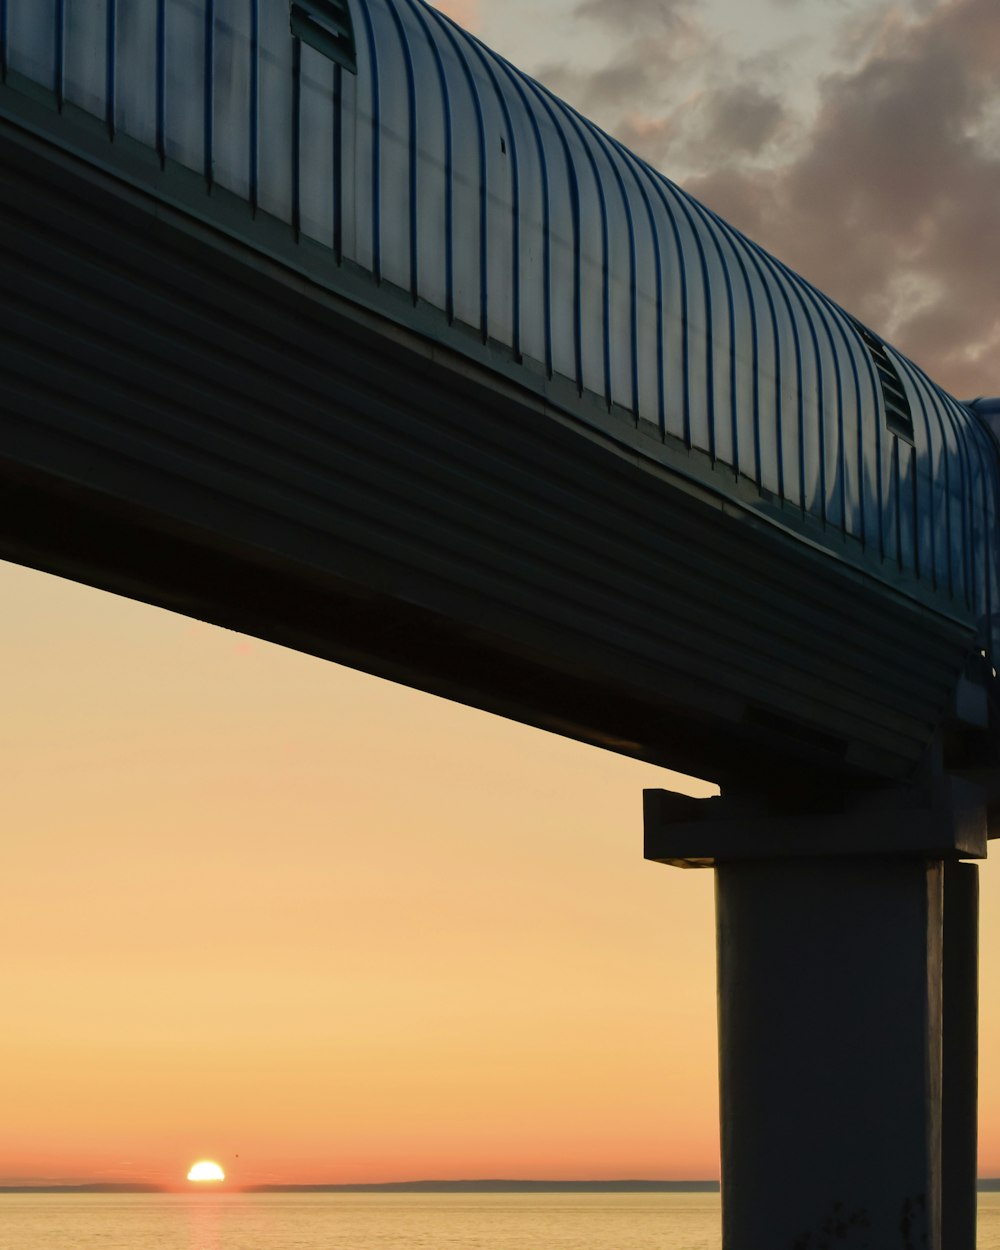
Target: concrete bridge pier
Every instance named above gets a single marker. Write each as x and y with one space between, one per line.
847 962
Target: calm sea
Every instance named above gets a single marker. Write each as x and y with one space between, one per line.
378 1222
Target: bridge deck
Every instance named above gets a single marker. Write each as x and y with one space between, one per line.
188 423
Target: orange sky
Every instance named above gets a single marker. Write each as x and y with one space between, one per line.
255 904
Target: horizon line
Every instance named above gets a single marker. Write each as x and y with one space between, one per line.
984 1184
485 1184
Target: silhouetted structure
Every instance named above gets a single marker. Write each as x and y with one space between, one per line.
323 322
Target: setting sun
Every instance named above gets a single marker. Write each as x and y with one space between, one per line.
206 1170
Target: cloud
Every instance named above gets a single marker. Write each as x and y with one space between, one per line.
670 15
891 200
669 89
886 194
743 119
653 47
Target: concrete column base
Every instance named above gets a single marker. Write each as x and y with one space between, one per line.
960 1071
847 1016
830 994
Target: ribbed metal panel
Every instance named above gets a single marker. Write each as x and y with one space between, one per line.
443 172
445 367
150 376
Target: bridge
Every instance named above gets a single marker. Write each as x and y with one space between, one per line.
322 322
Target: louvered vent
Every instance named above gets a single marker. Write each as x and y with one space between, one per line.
326 26
897 407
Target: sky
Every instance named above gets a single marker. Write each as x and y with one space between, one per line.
859 141
319 927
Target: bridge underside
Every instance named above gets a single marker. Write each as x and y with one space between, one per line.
189 423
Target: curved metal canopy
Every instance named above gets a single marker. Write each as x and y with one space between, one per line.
484 212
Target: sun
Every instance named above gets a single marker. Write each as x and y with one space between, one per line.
206 1170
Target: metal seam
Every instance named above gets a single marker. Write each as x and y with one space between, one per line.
161 81
610 154
376 131
485 60
60 53
253 171
518 85
484 188
605 250
574 192
449 160
110 67
678 197
296 187
209 92
337 172
411 96
738 245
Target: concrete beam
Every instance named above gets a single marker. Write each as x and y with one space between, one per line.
945 820
847 1011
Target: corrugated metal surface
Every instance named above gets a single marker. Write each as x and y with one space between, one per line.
194 397
442 171
664 473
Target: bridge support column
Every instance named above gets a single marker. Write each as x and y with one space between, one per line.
847 1014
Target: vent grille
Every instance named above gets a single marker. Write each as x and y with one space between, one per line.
326 26
898 416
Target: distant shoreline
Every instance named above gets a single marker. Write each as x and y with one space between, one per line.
498 1187
396 1187
985 1185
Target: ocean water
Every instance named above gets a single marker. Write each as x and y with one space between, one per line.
378 1222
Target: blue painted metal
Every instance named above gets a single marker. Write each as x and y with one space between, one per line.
338 164
296 137
546 231
209 91
111 67
508 147
254 119
442 171
375 206
483 217
161 80
60 67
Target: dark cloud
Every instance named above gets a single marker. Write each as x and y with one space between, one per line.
892 205
668 88
744 118
654 48
710 128
887 197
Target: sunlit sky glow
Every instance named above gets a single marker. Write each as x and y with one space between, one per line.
280 910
